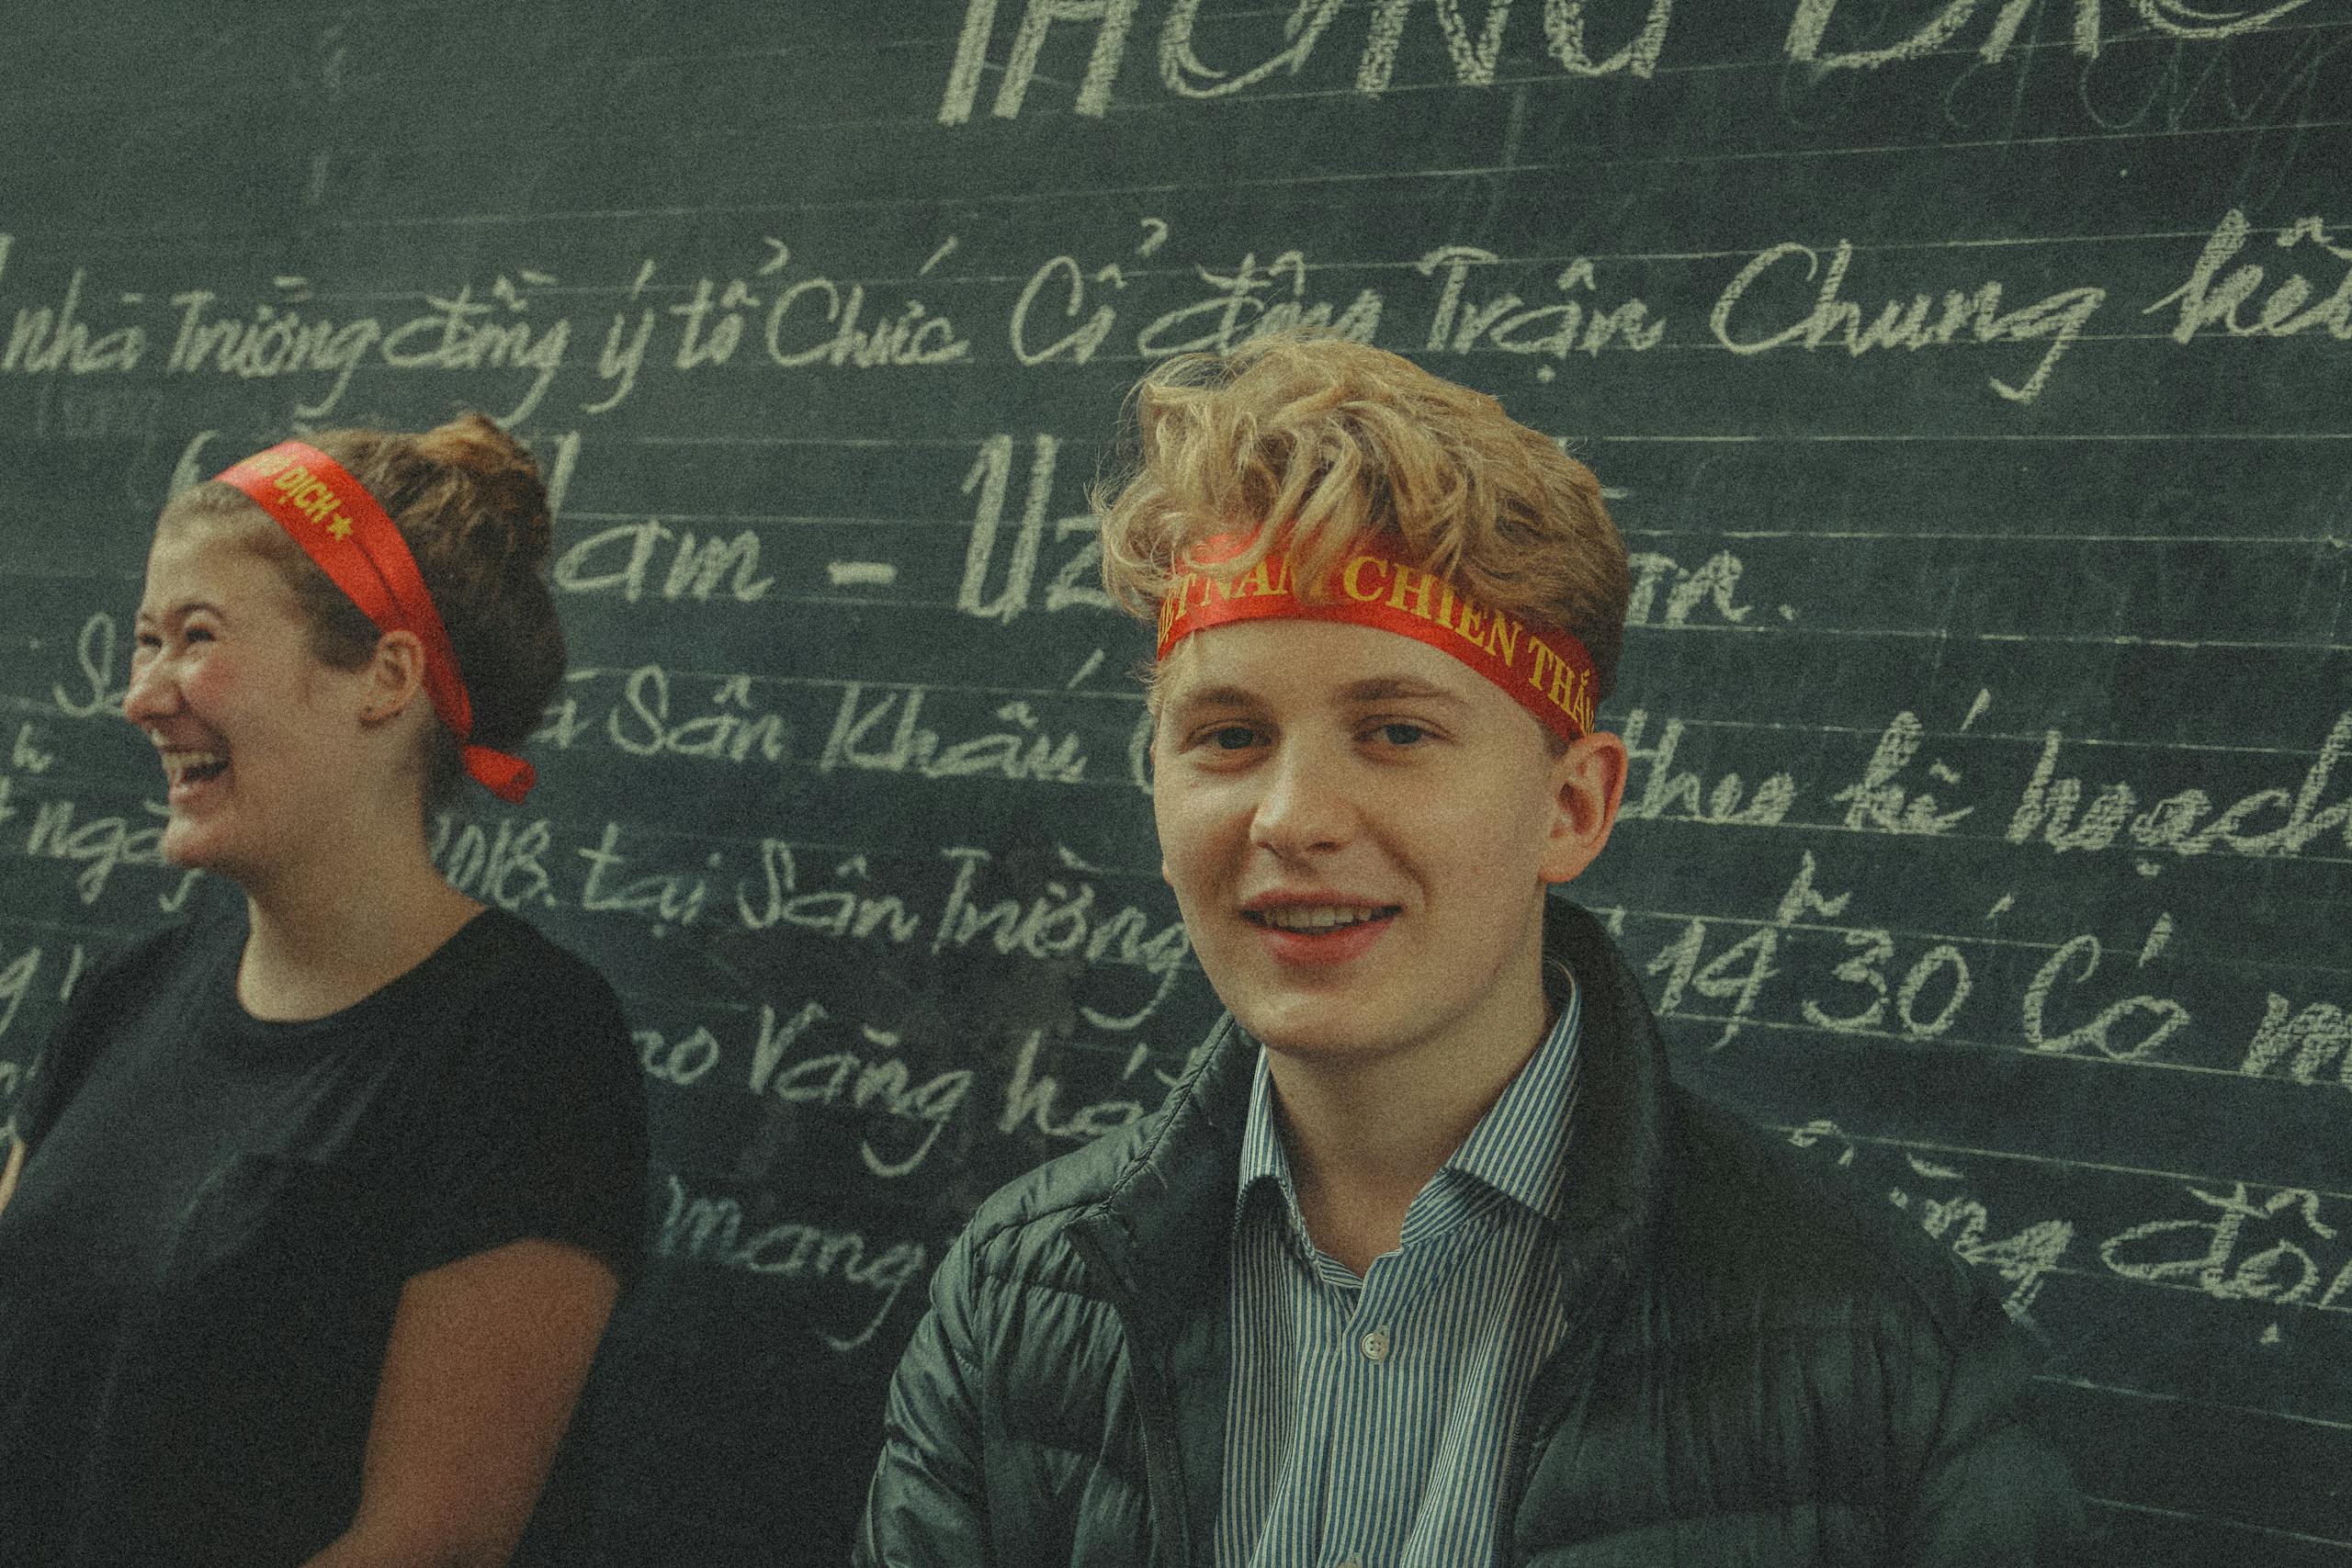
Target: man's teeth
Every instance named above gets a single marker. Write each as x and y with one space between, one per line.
179 765
1318 916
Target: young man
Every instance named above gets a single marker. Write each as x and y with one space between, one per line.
1428 1262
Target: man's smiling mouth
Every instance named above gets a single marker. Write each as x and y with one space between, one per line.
1314 918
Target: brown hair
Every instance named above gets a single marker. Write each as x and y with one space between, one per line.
469 499
1334 440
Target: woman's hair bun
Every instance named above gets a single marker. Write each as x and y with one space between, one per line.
510 493
468 499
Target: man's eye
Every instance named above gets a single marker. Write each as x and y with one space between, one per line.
1402 734
1232 737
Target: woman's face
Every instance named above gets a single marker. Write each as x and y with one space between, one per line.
258 739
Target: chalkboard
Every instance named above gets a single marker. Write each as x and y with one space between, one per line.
1973 383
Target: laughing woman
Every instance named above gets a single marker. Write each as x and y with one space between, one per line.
315 1213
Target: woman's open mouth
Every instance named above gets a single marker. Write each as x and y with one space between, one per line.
184 771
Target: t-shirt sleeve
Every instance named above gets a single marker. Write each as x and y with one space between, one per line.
546 1133
55 1073
81 1032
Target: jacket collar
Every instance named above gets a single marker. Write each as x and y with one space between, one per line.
1164 1230
1167 1216
1173 1198
1164 1227
1616 1157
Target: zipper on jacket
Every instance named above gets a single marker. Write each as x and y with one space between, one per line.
1164 1480
1542 1413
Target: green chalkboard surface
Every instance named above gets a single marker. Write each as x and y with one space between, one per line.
1973 383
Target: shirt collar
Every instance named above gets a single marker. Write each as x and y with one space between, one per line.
1520 1147
1264 1162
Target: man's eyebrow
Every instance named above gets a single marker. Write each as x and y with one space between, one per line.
1381 688
1216 697
1370 689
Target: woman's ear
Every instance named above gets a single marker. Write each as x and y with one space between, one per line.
1588 786
395 676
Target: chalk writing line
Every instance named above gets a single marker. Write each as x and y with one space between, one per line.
2248 1525
2185 1178
2170 1398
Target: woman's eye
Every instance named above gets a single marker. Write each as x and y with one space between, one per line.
1402 734
1232 737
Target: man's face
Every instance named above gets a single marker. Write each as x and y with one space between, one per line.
1359 831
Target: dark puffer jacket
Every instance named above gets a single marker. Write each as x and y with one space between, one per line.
1755 1370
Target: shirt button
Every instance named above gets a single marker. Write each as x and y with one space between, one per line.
1375 1349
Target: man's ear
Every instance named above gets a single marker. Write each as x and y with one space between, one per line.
1588 786
395 676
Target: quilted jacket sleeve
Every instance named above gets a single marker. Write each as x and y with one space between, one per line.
1992 1490
927 1505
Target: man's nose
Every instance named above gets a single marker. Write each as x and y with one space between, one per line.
1307 805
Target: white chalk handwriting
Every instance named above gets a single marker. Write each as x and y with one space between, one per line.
1276 48
714 1230
89 322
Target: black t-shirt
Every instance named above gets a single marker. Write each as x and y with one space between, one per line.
199 1268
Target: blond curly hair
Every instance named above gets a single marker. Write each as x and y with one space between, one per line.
1337 440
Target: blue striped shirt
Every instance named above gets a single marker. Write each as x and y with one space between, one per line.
1369 1420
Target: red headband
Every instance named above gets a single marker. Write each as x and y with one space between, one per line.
1547 672
343 528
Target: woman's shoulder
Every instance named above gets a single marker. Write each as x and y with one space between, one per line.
539 1097
499 964
524 996
504 946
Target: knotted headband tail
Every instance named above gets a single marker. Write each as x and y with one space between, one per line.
356 543
1547 671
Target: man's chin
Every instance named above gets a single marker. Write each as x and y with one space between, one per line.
1317 1042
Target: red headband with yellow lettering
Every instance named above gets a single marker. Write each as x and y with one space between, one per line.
1547 671
343 528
